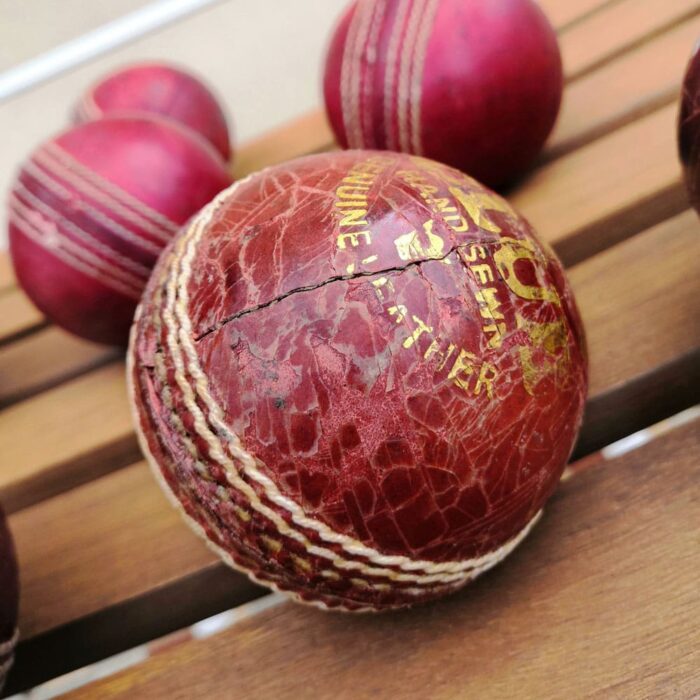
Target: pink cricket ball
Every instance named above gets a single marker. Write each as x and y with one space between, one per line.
91 209
475 84
159 89
360 375
9 599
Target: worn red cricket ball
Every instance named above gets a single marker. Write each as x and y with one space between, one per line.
162 89
475 84
689 129
91 210
360 376
9 599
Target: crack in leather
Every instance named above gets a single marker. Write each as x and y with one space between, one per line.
330 280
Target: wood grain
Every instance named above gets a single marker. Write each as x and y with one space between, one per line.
64 437
18 316
133 561
601 600
601 36
611 189
638 82
45 359
564 13
640 303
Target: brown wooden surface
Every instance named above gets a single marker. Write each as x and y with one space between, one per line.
114 566
597 602
625 24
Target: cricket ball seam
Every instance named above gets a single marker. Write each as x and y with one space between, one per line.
107 188
177 286
33 233
140 272
51 182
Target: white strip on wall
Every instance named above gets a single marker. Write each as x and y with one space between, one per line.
95 43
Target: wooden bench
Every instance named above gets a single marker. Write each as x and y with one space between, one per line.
603 598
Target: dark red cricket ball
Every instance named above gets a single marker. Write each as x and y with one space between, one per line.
9 599
161 89
360 375
689 129
475 84
91 210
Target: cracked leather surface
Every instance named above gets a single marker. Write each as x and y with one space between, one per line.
375 378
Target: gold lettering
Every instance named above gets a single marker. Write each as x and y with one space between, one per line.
489 309
487 375
512 250
354 217
483 272
417 333
477 203
475 251
399 311
353 237
551 337
349 192
379 284
464 364
410 247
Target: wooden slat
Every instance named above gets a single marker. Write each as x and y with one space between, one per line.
603 35
119 591
640 303
45 359
64 437
601 600
635 84
563 13
626 355
609 190
18 316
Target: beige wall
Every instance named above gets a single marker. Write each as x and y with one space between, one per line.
263 57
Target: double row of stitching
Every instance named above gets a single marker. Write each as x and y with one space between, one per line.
408 39
85 180
50 182
139 273
72 254
179 339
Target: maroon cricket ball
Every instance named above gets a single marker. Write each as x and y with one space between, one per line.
162 89
360 376
689 129
9 599
475 84
91 210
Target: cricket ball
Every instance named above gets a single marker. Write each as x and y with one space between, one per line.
689 129
9 599
475 84
91 209
360 376
161 89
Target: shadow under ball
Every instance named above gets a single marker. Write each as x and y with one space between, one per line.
91 209
9 599
359 375
475 84
161 89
